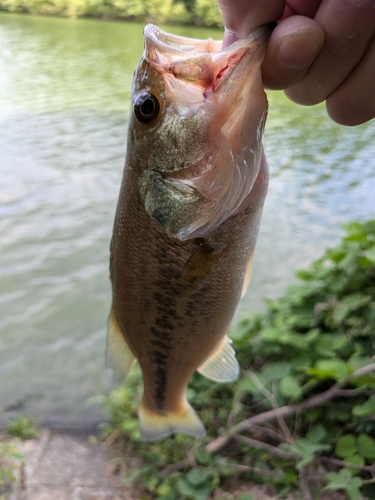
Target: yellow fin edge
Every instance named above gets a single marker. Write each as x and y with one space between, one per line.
155 425
119 356
246 280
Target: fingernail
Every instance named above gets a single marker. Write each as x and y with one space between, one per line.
229 37
298 50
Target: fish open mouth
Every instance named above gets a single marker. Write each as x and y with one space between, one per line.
204 62
175 44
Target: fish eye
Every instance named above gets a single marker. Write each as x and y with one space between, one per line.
146 107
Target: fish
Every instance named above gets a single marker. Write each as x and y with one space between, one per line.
187 219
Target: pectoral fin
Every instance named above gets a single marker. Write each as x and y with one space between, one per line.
222 365
196 269
119 356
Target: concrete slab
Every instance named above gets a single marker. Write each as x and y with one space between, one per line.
61 466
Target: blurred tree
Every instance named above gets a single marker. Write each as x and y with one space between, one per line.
189 4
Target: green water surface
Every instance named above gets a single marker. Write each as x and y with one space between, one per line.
64 100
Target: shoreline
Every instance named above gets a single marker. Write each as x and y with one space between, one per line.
209 16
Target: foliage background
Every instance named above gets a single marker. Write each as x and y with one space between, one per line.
199 12
302 415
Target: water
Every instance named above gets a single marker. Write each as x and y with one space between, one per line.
64 99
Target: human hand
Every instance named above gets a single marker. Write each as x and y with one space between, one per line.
321 50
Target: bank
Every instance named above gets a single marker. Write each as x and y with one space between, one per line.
195 12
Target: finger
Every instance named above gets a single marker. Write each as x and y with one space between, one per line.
353 102
307 8
241 17
349 27
293 45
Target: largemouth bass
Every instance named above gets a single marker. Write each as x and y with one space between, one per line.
187 219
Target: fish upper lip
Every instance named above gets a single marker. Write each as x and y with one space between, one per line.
186 48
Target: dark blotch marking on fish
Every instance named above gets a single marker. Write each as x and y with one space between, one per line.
164 322
161 342
161 299
161 387
158 333
160 359
167 320
161 214
161 345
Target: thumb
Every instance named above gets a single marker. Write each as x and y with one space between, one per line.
293 46
241 17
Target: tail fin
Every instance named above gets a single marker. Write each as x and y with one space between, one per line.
154 425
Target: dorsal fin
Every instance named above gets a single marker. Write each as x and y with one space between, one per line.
222 365
119 356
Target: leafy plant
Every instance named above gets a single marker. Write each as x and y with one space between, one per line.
344 480
9 461
22 427
304 405
200 12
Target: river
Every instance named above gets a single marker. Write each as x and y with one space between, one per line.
64 100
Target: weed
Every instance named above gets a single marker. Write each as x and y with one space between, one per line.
22 427
9 461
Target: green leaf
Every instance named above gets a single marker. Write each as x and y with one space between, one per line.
247 385
340 312
270 334
366 446
316 434
306 450
346 446
166 492
324 346
366 409
356 362
356 300
197 477
184 488
357 460
305 461
352 489
245 496
370 255
289 386
330 368
274 371
202 493
339 480
364 381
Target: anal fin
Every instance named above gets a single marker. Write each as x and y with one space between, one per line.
155 425
222 365
246 280
119 356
